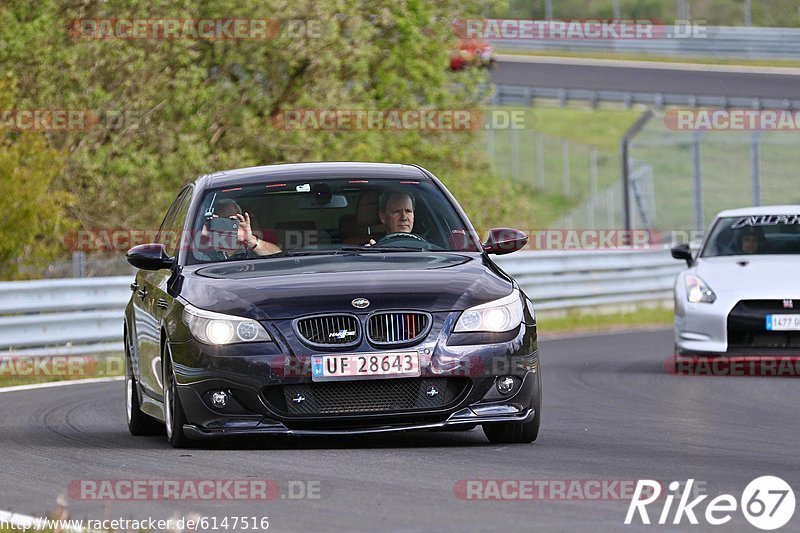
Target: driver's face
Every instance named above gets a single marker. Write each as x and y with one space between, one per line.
399 214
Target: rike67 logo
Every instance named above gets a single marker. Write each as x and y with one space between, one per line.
767 503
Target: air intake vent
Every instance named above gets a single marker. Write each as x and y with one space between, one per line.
329 330
368 396
398 327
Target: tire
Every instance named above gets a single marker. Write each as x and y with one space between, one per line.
139 423
174 417
517 432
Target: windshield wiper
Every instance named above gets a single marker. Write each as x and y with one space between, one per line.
382 249
297 253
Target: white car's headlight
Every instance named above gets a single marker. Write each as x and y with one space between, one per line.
499 315
698 291
216 328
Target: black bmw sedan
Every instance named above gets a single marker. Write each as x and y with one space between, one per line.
327 298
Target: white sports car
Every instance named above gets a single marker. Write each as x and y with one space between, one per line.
741 294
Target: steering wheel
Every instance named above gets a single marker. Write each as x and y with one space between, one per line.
400 235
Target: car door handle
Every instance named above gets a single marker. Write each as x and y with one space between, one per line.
161 303
134 286
143 293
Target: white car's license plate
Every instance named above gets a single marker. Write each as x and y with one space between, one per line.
355 366
783 322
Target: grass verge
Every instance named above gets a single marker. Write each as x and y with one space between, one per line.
583 322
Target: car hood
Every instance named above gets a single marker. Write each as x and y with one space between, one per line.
288 287
763 276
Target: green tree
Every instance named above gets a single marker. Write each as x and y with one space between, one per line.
208 105
33 220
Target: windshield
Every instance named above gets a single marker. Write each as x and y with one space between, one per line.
312 217
754 235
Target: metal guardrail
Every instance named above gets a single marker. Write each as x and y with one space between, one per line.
84 316
63 316
526 95
717 41
579 279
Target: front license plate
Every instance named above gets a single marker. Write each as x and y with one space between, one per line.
783 322
355 366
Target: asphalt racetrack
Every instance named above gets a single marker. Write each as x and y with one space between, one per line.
611 412
698 80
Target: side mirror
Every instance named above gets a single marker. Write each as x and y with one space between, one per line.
682 251
504 241
149 257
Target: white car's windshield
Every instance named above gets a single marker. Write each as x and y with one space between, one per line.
754 235
326 216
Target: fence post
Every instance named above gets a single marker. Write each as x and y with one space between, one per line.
514 155
78 264
755 161
565 166
698 185
593 179
540 160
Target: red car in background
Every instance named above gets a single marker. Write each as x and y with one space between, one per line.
472 53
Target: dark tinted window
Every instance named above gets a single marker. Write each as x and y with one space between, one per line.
327 216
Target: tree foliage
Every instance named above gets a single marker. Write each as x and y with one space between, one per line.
203 105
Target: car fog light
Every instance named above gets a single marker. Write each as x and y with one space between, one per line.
506 385
219 399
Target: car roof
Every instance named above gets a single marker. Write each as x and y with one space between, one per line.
761 210
315 171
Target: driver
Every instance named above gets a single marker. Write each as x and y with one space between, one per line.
396 211
750 240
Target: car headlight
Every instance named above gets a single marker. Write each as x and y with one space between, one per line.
499 315
219 329
698 291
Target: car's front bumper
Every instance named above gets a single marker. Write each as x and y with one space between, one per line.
248 372
465 417
733 325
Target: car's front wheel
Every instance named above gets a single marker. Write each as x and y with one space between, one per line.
139 423
517 432
174 418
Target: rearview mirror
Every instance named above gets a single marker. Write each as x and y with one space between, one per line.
504 241
683 251
150 256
